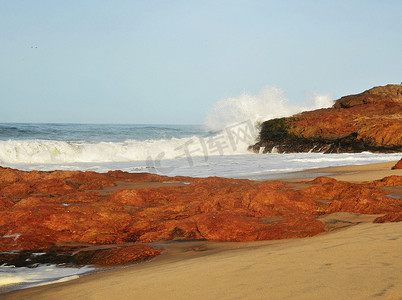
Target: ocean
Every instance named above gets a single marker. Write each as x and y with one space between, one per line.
187 150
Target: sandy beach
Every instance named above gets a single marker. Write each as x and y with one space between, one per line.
355 259
356 173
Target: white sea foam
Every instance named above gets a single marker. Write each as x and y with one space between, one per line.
231 141
43 274
56 152
233 166
268 104
321 101
263 166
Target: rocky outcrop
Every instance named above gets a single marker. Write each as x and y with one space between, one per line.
85 218
377 94
370 121
81 254
398 165
391 217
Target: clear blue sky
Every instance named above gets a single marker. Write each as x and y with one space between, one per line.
121 61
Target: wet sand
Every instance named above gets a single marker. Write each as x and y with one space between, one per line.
355 259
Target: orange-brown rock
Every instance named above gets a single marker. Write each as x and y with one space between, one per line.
357 198
40 210
117 256
375 95
325 188
365 205
393 180
240 228
391 217
370 121
5 203
398 165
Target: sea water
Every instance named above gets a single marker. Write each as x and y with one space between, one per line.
12 278
187 150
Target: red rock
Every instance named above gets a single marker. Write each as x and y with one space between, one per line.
47 208
8 176
53 186
230 228
169 230
365 205
364 122
138 197
269 203
5 203
237 228
300 226
391 217
331 189
393 180
322 180
17 190
374 95
398 165
117 256
78 197
128 197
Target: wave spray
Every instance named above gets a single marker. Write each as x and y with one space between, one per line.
270 103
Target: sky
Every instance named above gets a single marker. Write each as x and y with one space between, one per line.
169 62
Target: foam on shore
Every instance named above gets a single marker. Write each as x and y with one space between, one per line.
12 278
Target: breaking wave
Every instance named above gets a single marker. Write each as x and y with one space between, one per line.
268 104
55 152
230 129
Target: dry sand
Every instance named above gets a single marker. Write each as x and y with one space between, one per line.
356 260
353 173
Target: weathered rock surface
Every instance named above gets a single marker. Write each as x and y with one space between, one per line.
393 180
391 217
53 212
116 256
398 165
370 121
81 254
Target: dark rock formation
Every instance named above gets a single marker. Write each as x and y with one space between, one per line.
370 121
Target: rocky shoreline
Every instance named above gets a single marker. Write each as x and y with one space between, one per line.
81 218
369 121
